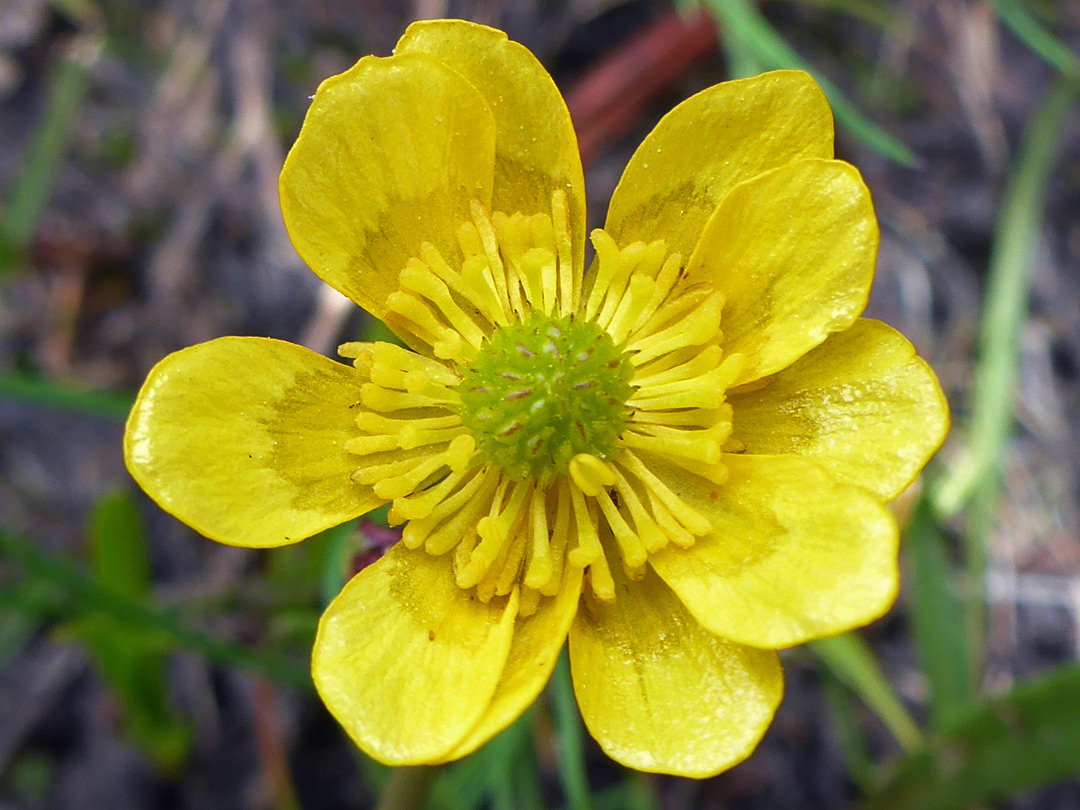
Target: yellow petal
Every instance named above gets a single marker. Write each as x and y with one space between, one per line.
793 252
406 660
861 404
390 155
537 641
705 146
659 692
536 149
793 555
242 439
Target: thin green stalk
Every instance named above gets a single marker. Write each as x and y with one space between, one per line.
937 620
408 788
49 394
571 754
1006 306
49 143
742 20
977 479
1014 14
91 597
852 661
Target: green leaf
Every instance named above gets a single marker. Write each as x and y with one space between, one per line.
937 618
60 396
1006 305
84 596
571 755
1015 15
52 136
131 659
975 481
851 660
1028 739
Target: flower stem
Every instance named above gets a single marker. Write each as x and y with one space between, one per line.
575 779
408 788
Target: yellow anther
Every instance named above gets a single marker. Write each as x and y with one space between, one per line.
569 284
637 294
407 482
600 580
367 445
629 257
702 360
417 278
590 473
698 327
630 545
607 263
540 566
489 244
459 452
665 280
688 446
588 547
419 505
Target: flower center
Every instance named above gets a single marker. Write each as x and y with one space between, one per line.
543 390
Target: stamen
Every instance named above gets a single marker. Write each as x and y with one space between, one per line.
696 361
650 533
494 529
600 579
694 521
683 444
415 315
452 519
588 548
385 399
638 292
418 279
670 311
569 283
607 262
590 474
703 391
629 257
665 281
419 505
699 326
540 567
490 245
456 282
630 545
560 537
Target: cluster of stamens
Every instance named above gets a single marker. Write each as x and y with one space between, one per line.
528 440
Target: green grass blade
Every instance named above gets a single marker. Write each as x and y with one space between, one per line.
851 660
1006 302
1029 31
937 618
41 165
872 12
89 597
571 756
742 20
1028 739
131 660
26 388
854 750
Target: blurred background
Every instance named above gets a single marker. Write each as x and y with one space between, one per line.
142 666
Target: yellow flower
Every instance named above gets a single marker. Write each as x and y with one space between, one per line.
572 454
